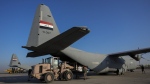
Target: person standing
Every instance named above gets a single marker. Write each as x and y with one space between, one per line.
12 70
142 67
85 72
117 71
29 74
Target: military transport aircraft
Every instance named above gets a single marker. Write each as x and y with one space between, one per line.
45 39
14 62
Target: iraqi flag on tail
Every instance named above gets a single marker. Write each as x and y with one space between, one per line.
46 24
14 59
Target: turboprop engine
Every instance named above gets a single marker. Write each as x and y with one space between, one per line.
138 57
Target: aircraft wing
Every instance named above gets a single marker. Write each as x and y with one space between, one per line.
131 53
59 42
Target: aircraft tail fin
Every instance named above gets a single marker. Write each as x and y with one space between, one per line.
14 62
43 28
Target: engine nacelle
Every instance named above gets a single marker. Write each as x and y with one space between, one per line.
138 57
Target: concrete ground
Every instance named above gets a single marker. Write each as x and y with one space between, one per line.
135 77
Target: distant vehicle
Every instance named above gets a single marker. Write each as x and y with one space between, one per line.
45 39
14 62
16 70
9 70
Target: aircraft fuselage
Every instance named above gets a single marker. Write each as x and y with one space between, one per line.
98 62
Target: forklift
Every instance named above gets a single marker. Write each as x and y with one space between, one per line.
52 69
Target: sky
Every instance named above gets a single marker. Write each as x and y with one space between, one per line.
115 25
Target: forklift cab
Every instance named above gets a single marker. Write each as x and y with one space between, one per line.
53 61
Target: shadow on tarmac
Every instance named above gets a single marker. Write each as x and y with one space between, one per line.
18 79
101 74
24 79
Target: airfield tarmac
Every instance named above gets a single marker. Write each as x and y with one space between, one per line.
135 77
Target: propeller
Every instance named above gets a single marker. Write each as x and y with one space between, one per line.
145 59
141 57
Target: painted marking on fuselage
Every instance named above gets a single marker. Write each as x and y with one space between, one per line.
95 63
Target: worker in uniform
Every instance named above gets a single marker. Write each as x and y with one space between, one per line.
85 72
142 67
29 74
117 71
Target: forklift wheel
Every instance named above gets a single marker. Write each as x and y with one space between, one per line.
68 75
49 77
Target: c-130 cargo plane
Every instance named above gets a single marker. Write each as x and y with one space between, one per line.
45 39
14 62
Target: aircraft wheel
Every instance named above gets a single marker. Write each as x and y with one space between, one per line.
49 77
131 71
68 75
117 72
